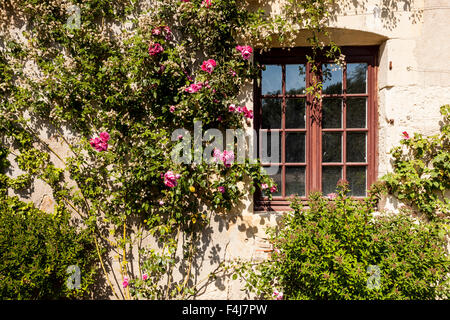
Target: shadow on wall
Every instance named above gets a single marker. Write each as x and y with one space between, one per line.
385 10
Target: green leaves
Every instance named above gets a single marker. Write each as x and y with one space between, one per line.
337 249
422 171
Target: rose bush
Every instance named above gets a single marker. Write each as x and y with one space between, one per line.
113 96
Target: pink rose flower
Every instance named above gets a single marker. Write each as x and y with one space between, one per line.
172 109
144 276
154 49
332 196
246 51
207 3
227 158
277 295
405 135
194 87
180 137
100 143
232 108
170 179
264 186
125 282
217 155
273 189
156 31
209 65
104 136
221 189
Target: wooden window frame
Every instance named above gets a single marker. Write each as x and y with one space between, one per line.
313 164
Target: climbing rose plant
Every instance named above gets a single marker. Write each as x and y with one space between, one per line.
113 98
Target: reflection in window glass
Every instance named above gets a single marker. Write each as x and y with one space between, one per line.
295 181
330 178
332 113
332 78
271 114
295 147
356 177
356 77
295 113
356 147
331 147
356 112
295 78
272 80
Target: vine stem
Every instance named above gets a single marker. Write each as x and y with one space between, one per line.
191 249
169 276
127 290
103 268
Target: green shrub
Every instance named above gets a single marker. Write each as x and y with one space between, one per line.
36 249
421 170
336 249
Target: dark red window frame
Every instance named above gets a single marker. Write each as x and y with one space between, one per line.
313 161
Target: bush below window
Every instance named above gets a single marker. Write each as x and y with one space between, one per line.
337 249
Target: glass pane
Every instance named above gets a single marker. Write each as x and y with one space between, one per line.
271 80
271 114
274 173
295 181
295 79
356 77
356 112
332 113
331 147
356 177
356 147
330 178
332 78
267 145
295 113
295 147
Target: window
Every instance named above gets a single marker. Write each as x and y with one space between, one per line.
318 143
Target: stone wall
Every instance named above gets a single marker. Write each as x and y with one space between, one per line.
413 82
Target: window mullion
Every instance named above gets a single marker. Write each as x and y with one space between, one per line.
283 134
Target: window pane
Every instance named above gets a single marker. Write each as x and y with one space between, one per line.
331 146
356 147
295 147
295 181
356 177
266 154
356 112
356 77
332 113
274 173
271 80
332 78
295 113
271 113
330 178
295 78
